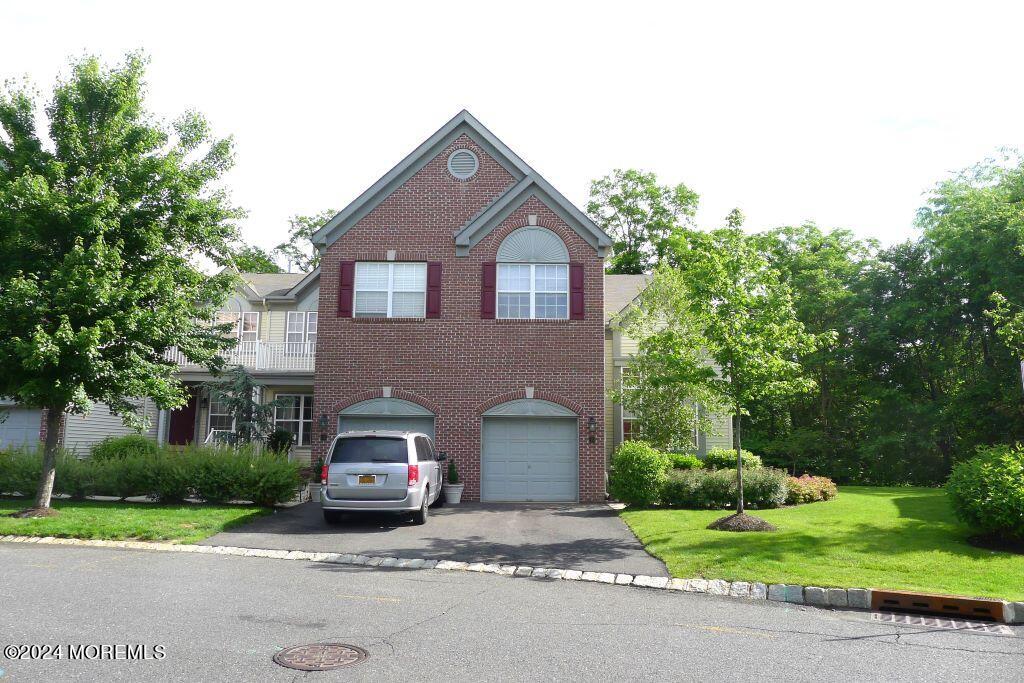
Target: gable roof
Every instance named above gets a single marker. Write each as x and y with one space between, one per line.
620 291
528 183
269 284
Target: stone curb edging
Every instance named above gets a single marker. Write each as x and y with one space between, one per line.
814 596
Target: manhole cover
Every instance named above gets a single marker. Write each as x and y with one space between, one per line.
321 656
941 622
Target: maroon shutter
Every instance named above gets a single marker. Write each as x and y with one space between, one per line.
488 289
433 290
346 283
576 291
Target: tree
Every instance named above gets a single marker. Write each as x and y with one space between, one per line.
252 259
239 393
299 250
640 215
103 216
724 298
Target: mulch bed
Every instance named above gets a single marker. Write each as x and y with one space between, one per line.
32 513
741 522
1001 543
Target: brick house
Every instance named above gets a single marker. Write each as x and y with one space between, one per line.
463 296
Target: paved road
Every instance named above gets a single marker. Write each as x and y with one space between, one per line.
588 537
223 617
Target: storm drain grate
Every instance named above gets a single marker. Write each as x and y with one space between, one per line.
941 622
321 656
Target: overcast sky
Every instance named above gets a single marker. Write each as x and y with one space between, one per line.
840 114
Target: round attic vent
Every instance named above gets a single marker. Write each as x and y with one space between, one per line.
463 164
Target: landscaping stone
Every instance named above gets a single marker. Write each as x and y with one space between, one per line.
389 562
232 550
8 537
623 579
507 570
555 573
718 587
837 597
858 598
650 581
416 563
777 592
375 561
739 589
475 567
816 596
599 577
696 586
677 585
429 564
357 559
452 565
539 572
572 575
524 571
758 591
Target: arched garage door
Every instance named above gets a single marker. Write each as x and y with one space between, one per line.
529 452
380 414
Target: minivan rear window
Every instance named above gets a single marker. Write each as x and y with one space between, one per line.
370 449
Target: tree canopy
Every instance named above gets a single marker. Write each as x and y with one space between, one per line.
298 250
252 259
104 215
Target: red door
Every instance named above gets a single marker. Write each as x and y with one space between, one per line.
182 428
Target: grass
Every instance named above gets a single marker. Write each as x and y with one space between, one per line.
127 521
869 537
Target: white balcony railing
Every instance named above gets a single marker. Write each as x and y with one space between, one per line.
261 355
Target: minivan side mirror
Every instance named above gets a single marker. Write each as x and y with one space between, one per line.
442 456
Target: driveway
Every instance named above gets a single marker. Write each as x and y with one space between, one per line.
587 537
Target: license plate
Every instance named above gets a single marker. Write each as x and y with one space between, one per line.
367 479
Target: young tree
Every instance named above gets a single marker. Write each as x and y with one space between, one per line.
639 215
102 218
299 251
239 392
725 299
252 259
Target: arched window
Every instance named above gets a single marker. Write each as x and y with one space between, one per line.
533 275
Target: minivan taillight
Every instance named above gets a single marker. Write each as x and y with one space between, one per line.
414 474
323 474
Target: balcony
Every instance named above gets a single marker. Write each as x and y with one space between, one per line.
261 356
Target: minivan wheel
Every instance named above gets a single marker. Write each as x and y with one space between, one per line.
332 516
420 516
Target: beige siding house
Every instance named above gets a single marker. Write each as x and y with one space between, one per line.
620 291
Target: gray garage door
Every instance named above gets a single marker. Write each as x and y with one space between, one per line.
351 423
19 427
530 459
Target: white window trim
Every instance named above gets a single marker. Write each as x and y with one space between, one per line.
391 289
306 317
533 290
210 414
303 400
241 321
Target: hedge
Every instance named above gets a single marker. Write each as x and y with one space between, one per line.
685 461
716 489
214 475
808 489
637 474
987 491
725 458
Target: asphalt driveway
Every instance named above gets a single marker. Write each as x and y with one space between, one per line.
586 537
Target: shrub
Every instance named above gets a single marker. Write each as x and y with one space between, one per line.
987 491
171 476
120 447
453 473
74 477
20 470
808 489
637 473
280 440
725 458
684 461
716 489
270 479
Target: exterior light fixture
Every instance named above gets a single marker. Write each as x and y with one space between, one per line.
592 429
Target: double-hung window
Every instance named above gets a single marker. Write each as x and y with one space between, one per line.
533 290
295 415
300 332
390 290
221 418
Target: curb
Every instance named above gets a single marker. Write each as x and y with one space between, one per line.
814 596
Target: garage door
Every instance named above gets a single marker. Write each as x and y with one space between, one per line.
20 427
530 459
402 424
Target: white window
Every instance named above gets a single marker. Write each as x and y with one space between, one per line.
390 290
295 416
300 331
533 290
221 418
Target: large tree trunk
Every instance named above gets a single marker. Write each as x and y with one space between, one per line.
738 420
54 418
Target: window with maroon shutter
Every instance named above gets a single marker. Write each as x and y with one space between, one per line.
346 283
488 288
576 291
433 290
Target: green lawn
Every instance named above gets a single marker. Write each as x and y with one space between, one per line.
869 537
127 521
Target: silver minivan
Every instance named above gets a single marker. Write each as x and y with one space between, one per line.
381 471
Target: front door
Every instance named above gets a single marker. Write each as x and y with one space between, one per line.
182 428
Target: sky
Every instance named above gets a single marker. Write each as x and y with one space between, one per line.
844 114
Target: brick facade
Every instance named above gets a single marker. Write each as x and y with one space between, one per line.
459 365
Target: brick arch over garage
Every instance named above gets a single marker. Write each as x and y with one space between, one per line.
379 393
520 394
